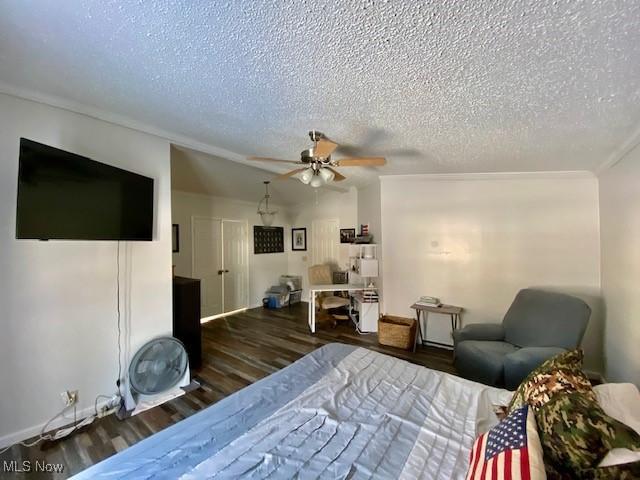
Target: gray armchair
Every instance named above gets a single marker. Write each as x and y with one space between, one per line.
537 326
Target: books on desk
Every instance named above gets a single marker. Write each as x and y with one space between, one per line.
370 297
429 302
367 296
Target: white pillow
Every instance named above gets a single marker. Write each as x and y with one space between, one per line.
622 402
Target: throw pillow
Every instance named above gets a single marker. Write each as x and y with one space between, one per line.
625 471
576 434
562 373
511 449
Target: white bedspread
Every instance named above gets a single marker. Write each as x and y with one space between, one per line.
369 416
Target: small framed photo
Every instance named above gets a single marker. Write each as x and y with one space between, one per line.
347 235
299 239
175 238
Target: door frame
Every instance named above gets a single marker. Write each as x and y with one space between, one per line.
247 270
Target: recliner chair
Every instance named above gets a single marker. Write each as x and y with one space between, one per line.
538 325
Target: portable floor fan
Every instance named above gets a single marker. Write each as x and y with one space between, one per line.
157 372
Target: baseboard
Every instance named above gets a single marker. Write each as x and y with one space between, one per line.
35 430
221 315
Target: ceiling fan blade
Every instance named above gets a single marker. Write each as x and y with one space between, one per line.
267 159
284 176
324 147
361 162
338 177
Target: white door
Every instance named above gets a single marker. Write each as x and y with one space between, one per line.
236 265
207 263
325 249
325 242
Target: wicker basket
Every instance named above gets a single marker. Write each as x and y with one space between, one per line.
397 332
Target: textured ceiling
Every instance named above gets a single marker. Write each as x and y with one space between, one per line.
455 86
197 172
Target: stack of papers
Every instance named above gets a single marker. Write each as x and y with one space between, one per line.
429 302
370 296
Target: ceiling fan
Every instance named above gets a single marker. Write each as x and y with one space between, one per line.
318 168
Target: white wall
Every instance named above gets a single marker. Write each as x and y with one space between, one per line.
474 241
58 298
620 239
369 205
329 205
264 269
369 212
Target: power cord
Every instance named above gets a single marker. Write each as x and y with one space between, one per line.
63 432
95 404
119 328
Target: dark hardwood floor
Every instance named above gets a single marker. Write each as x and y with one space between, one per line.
237 351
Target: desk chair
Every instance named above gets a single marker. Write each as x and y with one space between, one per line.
321 275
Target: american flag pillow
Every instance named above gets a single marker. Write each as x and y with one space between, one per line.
511 450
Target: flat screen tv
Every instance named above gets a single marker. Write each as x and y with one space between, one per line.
63 196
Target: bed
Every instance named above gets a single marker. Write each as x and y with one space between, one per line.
339 412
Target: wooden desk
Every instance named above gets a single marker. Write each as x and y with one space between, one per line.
453 311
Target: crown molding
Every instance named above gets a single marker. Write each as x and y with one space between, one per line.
121 121
562 174
621 152
237 201
188 142
126 122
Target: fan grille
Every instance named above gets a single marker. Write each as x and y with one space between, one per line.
158 366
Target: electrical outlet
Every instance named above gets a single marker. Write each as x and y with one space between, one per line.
69 397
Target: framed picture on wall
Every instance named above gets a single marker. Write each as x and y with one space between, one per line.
347 235
175 238
299 239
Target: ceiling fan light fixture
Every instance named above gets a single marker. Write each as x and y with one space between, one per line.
316 181
327 175
316 164
306 176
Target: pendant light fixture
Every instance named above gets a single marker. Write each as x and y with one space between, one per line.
266 215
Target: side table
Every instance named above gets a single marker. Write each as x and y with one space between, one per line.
423 311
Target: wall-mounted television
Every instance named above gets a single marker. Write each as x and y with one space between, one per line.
64 196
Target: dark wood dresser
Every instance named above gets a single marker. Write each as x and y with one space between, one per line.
186 317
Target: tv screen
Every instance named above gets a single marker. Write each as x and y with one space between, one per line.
69 197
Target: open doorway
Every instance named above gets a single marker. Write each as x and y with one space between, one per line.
214 205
